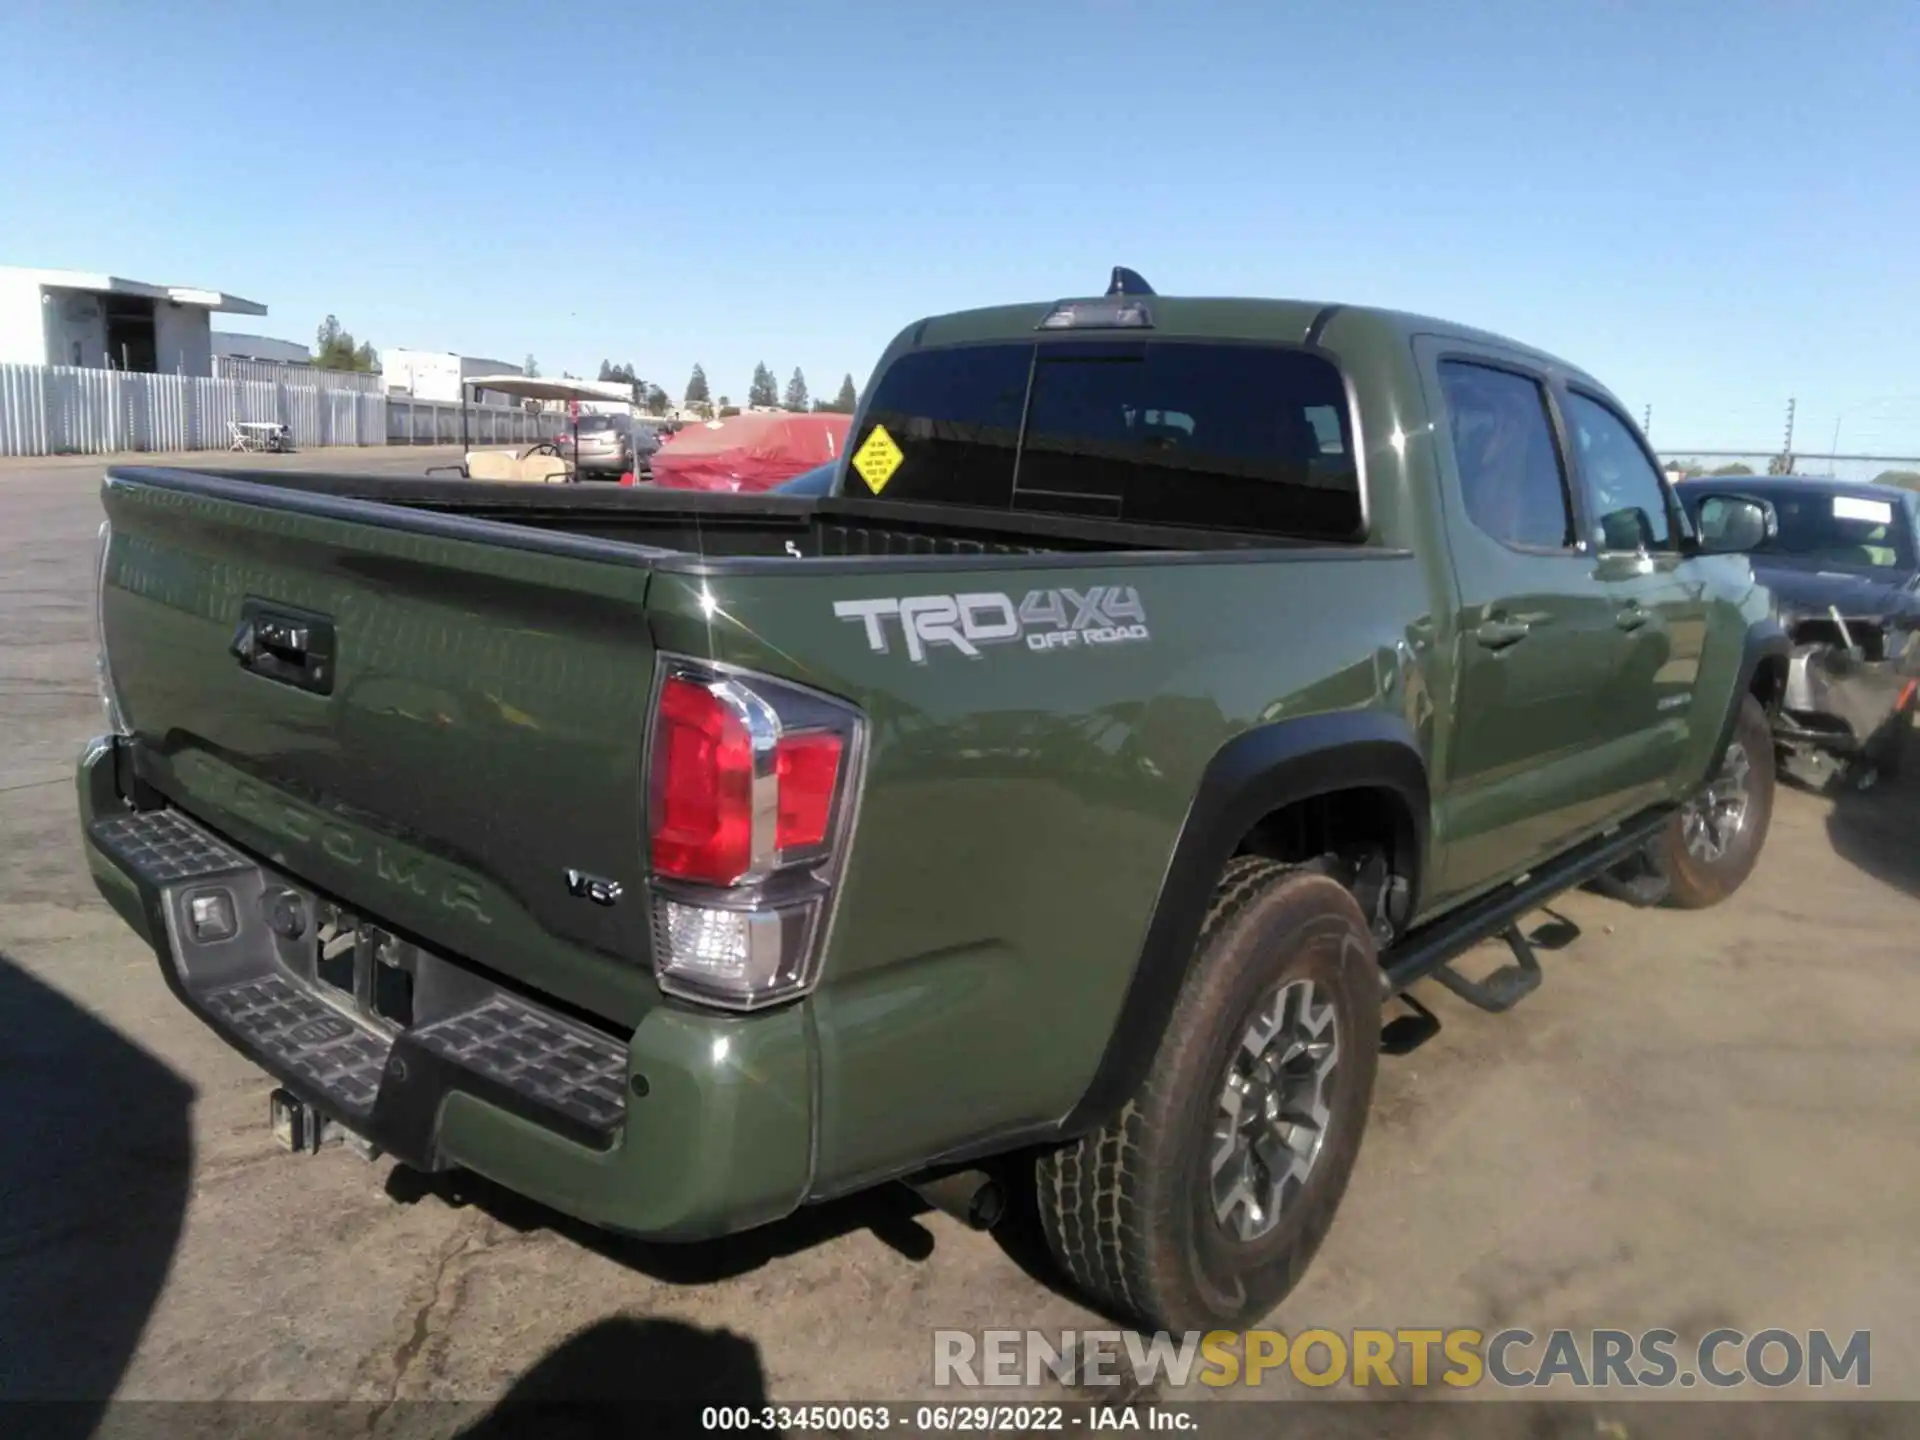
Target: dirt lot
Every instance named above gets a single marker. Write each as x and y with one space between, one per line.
1700 1120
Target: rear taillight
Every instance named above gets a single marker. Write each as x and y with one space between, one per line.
750 789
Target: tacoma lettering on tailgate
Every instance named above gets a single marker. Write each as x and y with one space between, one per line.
1044 619
399 867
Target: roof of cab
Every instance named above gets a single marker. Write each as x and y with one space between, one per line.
1283 322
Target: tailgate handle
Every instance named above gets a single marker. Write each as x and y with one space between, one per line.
293 647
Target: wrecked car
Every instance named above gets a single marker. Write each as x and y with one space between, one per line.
1843 563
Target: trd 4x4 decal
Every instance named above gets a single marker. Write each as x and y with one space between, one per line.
1044 619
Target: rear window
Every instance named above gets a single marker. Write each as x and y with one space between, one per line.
1235 437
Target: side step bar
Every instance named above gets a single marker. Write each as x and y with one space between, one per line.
1505 987
1428 950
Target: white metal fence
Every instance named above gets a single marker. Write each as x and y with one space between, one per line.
283 372
433 422
66 410
1852 467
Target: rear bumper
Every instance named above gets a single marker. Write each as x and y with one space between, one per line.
696 1125
596 457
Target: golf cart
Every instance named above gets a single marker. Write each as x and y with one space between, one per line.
539 461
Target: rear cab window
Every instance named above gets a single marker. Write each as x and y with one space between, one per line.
1191 434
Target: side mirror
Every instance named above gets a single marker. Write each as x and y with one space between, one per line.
1734 524
1625 531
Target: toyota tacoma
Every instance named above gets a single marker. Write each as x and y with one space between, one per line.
1161 687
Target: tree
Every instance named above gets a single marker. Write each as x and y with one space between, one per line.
657 402
726 404
1734 469
848 400
623 375
1905 479
697 392
765 390
797 393
532 367
334 349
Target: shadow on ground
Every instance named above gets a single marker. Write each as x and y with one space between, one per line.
891 1213
96 1155
1878 829
629 1377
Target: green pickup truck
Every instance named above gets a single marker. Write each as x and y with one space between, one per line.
1070 794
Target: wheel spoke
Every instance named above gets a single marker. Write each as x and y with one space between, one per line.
1272 1119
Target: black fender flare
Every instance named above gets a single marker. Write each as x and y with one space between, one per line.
1256 773
1765 640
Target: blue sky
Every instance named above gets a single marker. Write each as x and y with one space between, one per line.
1712 206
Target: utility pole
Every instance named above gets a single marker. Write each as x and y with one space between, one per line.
1782 464
1646 419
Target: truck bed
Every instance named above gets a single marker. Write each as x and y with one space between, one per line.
725 526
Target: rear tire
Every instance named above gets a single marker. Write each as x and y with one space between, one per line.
1192 1209
1710 848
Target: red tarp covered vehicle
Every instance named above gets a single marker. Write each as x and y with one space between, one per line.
748 452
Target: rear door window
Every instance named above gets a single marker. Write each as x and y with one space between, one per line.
1228 437
1511 478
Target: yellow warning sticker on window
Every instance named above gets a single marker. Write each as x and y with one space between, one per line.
877 459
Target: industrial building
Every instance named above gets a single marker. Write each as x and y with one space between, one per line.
70 317
438 374
232 345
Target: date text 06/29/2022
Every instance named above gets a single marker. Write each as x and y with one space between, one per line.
936 1419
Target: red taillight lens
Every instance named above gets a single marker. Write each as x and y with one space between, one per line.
703 763
809 771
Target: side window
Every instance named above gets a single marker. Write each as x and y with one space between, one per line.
1510 474
1629 502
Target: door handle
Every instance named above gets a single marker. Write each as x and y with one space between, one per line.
1499 634
1630 618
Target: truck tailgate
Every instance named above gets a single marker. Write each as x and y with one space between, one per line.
430 719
